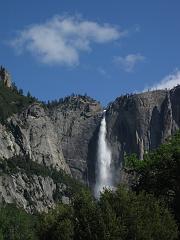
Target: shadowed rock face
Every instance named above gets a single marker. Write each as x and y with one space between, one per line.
141 122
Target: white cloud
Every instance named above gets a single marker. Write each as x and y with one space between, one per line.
168 82
61 39
128 62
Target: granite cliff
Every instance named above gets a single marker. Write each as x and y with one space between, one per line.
141 122
63 136
55 136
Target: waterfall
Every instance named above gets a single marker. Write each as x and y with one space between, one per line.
103 166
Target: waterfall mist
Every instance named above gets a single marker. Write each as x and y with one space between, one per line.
103 166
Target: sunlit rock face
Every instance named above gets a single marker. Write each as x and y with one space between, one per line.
33 193
76 123
5 77
60 137
57 137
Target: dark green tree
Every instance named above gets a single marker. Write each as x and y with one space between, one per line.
159 174
86 217
16 224
57 224
130 216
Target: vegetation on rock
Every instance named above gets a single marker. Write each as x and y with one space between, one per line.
12 101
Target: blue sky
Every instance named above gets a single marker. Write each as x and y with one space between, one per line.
102 48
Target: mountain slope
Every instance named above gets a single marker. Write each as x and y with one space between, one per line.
63 136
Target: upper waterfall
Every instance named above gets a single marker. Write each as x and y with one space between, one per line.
103 165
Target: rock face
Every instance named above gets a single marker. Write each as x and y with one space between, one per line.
75 128
33 193
64 136
5 77
141 122
57 137
35 136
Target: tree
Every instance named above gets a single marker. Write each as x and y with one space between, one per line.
159 172
29 95
119 215
57 224
20 92
87 218
130 216
16 224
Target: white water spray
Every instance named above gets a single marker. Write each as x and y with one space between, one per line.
103 167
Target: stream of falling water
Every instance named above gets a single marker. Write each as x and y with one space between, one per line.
103 167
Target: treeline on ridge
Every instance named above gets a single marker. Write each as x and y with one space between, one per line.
12 101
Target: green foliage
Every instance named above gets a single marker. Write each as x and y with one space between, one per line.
57 224
16 224
12 101
131 216
120 215
159 172
87 218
